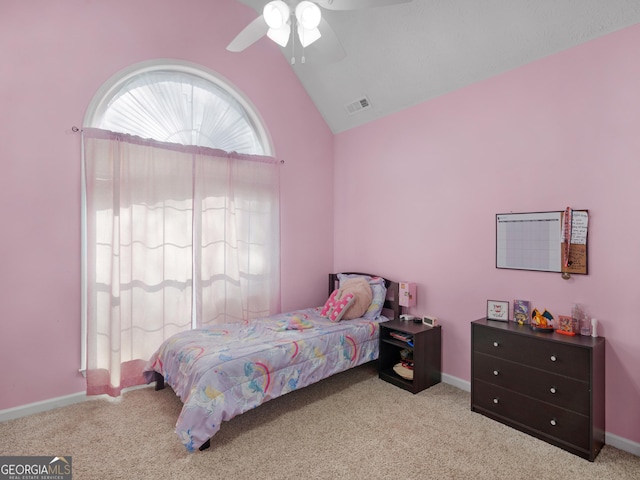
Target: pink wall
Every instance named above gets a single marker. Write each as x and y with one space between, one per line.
55 56
560 132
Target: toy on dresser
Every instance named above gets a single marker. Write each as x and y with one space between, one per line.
542 321
566 325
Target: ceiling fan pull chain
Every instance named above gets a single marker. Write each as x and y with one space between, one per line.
293 45
301 33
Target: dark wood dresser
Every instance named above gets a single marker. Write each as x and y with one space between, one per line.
548 385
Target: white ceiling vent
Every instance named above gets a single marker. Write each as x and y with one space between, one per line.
357 106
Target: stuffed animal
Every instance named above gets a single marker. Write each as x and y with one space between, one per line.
362 293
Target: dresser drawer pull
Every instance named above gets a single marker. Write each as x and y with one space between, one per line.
553 422
496 344
553 390
495 400
496 372
553 358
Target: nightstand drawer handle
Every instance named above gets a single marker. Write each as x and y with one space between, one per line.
553 422
496 344
553 390
495 400
496 372
553 358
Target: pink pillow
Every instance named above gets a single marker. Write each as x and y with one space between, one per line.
337 305
341 307
329 303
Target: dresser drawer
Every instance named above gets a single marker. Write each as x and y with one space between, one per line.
549 387
536 416
555 357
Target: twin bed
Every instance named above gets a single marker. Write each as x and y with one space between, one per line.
220 372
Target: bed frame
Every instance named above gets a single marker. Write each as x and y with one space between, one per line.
391 304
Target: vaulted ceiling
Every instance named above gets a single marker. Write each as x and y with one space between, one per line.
402 55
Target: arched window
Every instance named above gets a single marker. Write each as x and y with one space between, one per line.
181 222
179 103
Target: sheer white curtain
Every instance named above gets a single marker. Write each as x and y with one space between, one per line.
239 222
170 227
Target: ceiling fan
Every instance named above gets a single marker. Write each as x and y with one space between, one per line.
280 17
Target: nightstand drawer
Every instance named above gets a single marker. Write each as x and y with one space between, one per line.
537 416
558 390
555 357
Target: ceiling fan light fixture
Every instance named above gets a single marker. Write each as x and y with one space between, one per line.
307 37
280 35
276 14
308 15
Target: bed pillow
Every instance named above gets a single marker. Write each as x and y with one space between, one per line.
337 305
341 307
329 303
360 289
378 289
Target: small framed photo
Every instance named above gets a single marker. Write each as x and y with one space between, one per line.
567 325
497 310
522 312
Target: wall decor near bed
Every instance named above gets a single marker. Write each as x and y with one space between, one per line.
554 241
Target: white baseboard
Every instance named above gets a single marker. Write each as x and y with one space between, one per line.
616 441
53 403
622 444
456 382
43 406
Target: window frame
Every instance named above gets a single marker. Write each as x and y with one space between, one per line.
101 99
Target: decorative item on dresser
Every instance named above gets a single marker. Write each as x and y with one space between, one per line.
522 311
498 310
547 385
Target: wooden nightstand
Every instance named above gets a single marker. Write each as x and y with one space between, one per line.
427 354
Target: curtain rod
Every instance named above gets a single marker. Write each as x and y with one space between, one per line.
76 130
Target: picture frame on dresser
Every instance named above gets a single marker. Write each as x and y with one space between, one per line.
522 312
498 310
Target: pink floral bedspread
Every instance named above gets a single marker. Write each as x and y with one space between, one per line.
222 371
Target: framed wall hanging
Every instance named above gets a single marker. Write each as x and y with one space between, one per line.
553 241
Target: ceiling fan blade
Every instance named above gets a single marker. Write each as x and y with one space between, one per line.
356 4
249 35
